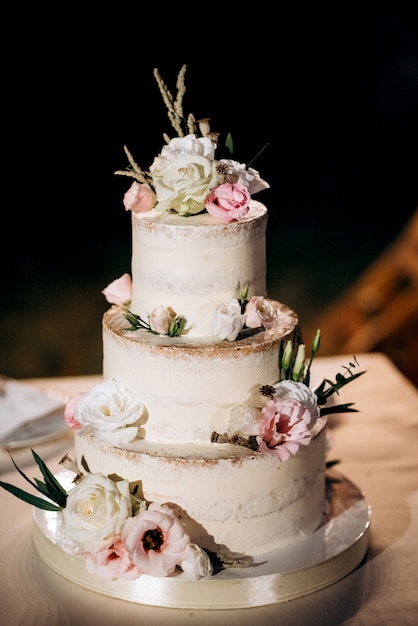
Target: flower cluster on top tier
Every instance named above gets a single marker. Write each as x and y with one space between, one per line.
186 177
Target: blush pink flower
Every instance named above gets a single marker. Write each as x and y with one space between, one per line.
228 202
283 428
160 319
69 413
260 312
156 540
119 291
112 563
139 198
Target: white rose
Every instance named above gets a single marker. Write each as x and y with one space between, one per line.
94 514
109 407
300 392
184 174
189 145
196 563
228 320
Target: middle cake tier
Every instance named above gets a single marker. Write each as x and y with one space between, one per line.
189 386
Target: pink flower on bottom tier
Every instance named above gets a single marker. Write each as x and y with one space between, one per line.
228 202
284 428
112 563
156 540
139 198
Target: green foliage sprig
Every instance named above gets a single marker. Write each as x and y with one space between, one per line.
294 366
175 329
51 488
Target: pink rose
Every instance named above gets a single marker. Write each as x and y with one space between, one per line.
139 198
260 312
284 427
112 563
161 318
69 413
119 291
228 202
156 540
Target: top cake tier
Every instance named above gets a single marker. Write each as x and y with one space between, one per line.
194 263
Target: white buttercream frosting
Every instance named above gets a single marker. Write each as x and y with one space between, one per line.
193 264
188 387
230 496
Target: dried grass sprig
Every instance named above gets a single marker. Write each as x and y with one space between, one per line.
135 171
174 106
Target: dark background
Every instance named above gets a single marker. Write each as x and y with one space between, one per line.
334 94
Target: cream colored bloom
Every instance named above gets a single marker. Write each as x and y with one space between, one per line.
111 408
228 320
196 563
184 174
94 514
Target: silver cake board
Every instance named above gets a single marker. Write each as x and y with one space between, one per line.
312 563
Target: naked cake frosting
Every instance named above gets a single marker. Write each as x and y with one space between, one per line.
204 447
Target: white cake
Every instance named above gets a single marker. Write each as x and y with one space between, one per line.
232 498
193 352
204 447
194 263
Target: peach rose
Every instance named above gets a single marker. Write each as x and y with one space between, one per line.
260 312
139 198
119 291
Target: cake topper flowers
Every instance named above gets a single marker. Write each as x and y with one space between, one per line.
186 177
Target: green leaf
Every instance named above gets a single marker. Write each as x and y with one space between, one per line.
329 464
338 408
51 489
40 503
229 144
55 490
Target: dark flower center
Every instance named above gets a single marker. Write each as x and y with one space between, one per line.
153 539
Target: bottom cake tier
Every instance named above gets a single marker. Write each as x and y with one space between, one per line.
231 499
335 549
